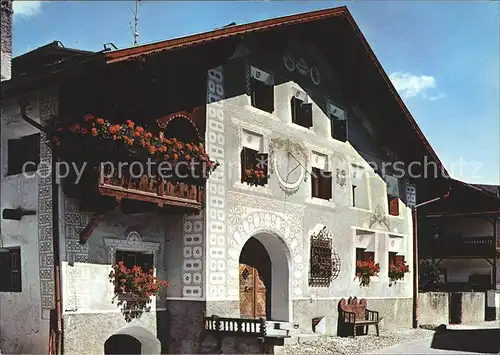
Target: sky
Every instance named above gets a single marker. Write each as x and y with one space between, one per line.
443 57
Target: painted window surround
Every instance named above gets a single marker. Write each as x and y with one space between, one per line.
133 242
265 133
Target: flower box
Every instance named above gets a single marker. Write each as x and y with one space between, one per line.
133 289
365 269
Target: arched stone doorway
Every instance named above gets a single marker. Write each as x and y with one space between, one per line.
264 274
132 340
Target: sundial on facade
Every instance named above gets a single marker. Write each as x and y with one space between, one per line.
289 163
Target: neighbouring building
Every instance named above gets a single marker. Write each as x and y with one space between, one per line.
299 114
461 234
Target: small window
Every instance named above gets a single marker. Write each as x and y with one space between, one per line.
338 121
131 259
392 195
261 89
321 263
23 150
354 195
393 205
321 184
301 113
10 270
262 96
254 167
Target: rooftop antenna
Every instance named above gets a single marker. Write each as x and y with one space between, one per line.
135 32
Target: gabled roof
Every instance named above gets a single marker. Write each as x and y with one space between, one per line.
225 32
266 25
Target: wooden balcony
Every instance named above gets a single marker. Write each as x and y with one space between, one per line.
98 193
154 190
459 247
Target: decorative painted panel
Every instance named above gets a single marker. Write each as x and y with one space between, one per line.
47 108
245 222
216 189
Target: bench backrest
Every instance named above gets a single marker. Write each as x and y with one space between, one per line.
353 305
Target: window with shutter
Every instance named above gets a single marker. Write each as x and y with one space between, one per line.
10 270
262 95
393 205
134 258
23 150
301 113
251 161
339 128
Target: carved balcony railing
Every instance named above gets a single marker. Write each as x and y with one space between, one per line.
96 191
459 247
155 189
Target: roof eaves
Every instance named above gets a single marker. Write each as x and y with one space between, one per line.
129 53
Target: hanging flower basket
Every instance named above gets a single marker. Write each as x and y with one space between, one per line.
365 270
255 177
134 289
397 272
95 140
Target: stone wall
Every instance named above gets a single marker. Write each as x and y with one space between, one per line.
24 325
433 308
473 307
87 333
397 312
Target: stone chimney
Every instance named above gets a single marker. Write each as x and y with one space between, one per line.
6 34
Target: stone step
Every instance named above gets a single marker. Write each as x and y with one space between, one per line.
277 332
299 338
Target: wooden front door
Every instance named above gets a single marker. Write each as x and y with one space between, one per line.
252 293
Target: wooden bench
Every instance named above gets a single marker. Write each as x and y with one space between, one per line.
354 315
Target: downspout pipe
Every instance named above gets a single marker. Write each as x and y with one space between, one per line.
414 215
23 104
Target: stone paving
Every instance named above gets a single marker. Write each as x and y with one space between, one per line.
359 345
453 339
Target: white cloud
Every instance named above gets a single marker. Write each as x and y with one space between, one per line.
26 9
409 85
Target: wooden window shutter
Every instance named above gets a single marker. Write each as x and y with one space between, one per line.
326 185
367 255
295 105
268 98
315 180
243 158
393 206
400 259
360 254
306 115
392 258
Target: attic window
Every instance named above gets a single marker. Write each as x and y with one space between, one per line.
392 195
301 111
338 122
261 90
